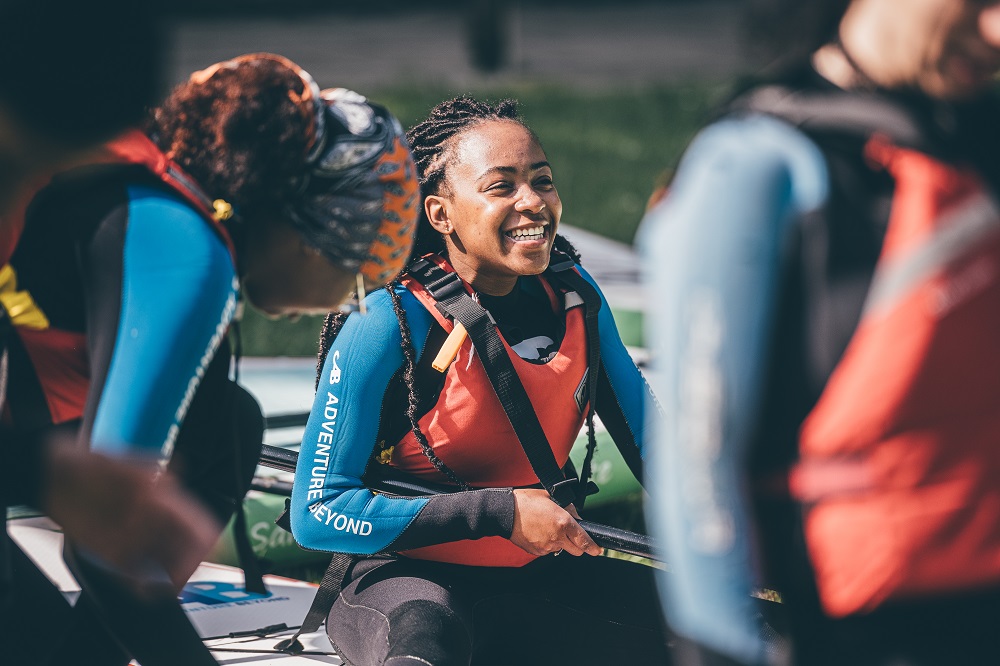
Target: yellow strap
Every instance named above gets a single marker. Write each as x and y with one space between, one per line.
20 306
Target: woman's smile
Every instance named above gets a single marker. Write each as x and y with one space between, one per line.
531 236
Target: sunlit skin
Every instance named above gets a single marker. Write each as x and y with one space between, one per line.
497 181
283 276
947 49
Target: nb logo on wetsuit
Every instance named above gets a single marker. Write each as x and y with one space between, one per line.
335 372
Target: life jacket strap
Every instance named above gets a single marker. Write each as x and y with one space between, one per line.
562 269
326 594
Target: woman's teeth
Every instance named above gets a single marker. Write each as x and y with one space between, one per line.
529 234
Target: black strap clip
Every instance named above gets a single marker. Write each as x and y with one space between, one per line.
284 519
560 263
292 646
446 286
565 492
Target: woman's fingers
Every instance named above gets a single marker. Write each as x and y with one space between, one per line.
581 542
542 527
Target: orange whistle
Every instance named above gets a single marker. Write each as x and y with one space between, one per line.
449 350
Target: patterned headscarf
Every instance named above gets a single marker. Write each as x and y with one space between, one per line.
359 202
359 198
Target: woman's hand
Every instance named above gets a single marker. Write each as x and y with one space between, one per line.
541 526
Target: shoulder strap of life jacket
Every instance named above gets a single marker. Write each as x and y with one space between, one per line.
134 147
562 269
454 301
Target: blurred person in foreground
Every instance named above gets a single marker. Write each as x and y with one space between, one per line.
74 75
247 181
827 264
60 96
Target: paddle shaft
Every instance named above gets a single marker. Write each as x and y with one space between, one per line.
605 536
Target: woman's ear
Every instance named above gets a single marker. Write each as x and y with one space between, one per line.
436 208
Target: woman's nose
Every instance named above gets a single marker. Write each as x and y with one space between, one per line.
529 201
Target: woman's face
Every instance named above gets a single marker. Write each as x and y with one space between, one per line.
283 276
498 207
949 49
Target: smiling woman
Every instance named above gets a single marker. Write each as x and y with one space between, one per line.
530 352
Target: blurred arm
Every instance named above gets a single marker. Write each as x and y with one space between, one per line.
713 254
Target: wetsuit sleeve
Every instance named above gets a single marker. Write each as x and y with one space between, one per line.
622 392
161 291
331 507
713 253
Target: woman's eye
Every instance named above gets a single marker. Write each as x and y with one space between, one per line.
501 186
544 183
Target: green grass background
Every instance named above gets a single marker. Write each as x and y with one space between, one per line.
608 150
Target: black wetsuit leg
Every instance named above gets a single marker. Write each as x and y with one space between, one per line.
572 610
552 611
400 612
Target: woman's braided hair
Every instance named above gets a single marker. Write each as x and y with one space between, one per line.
431 144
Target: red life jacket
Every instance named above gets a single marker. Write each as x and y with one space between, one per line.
469 431
900 457
59 357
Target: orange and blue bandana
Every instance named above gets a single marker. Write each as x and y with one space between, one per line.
359 202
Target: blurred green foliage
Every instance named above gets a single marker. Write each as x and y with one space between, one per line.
609 150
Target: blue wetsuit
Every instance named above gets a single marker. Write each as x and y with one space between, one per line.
716 262
131 268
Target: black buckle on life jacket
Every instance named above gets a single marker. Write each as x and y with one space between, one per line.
441 284
565 492
446 286
560 262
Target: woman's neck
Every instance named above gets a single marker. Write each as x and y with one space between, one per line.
483 282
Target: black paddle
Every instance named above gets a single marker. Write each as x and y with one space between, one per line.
604 536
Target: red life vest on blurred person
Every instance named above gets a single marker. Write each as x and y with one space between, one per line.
58 357
900 457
